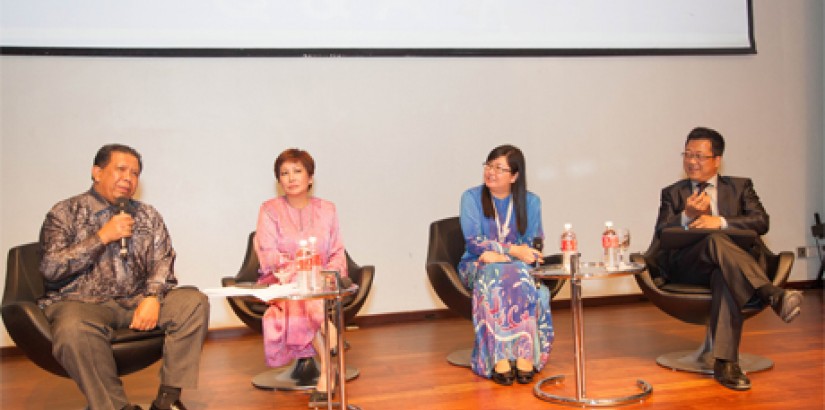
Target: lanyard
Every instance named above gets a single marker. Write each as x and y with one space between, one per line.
503 229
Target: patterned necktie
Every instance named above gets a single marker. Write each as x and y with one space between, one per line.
700 187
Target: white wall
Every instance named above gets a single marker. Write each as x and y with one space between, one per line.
398 139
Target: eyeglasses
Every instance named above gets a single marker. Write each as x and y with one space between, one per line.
498 170
697 156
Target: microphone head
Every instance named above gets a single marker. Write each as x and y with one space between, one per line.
123 205
538 243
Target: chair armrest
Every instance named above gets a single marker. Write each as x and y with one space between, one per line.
645 281
783 268
450 274
447 285
25 322
367 275
354 304
351 307
28 327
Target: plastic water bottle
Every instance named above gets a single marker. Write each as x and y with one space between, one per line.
569 246
610 243
303 259
315 265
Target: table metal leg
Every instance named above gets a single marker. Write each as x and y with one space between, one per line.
644 387
328 353
581 399
578 336
340 373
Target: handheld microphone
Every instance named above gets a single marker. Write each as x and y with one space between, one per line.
538 244
123 207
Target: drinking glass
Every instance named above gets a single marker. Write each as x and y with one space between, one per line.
624 245
285 271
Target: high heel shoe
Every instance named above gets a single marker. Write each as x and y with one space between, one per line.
504 379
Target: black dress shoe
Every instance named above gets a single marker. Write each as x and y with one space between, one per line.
729 374
524 377
305 369
788 305
177 405
504 379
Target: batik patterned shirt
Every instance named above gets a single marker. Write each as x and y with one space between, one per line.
76 265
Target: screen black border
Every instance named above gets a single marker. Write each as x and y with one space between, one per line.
380 52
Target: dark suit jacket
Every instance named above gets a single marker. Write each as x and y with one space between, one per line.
737 201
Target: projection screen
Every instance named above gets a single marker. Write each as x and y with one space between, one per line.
376 27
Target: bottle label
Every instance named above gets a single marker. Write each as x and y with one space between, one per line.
568 245
303 260
610 241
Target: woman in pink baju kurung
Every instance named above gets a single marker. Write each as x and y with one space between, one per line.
292 329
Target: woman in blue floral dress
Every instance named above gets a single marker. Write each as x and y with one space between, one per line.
511 312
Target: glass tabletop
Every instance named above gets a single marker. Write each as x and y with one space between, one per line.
588 270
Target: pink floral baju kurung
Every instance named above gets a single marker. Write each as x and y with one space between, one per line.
290 326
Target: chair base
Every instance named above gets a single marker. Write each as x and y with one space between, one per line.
460 357
689 361
280 378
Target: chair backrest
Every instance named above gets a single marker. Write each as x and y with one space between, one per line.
23 279
446 242
443 254
353 270
363 276
249 268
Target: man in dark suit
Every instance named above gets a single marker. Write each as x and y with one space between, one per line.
735 275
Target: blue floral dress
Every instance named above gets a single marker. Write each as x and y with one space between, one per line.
511 314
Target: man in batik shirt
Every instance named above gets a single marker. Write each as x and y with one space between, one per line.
108 264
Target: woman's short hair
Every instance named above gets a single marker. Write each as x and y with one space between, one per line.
296 155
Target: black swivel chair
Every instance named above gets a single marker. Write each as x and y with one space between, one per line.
692 304
31 332
302 373
818 231
445 249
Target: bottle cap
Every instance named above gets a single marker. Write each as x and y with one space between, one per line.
568 226
302 242
608 224
312 239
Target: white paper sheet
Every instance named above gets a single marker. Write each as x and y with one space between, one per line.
264 294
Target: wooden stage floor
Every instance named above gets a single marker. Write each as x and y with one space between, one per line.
403 366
